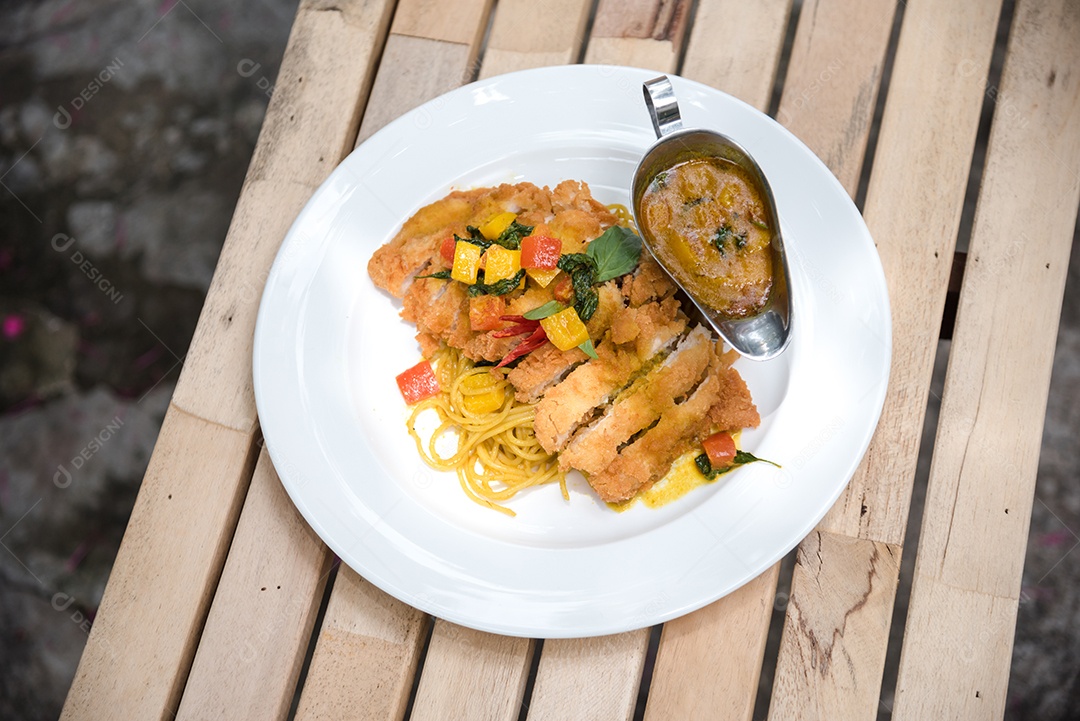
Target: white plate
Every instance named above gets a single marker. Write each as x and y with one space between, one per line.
328 345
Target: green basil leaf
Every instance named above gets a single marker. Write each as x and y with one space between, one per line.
501 287
582 270
441 275
511 237
589 349
741 459
475 237
616 252
550 308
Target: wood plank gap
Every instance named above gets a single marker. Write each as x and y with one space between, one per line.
879 108
684 42
647 671
986 118
407 716
771 654
911 537
217 568
472 71
309 652
586 32
785 60
530 681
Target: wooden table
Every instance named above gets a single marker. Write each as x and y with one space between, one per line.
217 595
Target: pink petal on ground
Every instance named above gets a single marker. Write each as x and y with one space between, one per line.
1056 539
13 326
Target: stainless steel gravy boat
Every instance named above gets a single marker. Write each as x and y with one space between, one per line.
766 333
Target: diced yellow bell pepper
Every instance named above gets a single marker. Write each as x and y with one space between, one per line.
501 264
543 277
466 262
495 227
482 394
565 329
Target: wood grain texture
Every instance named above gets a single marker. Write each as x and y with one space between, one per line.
913 208
309 126
833 78
452 21
967 582
643 33
709 662
528 34
472 675
259 625
842 597
432 49
146 630
744 64
144 635
589 678
365 656
414 70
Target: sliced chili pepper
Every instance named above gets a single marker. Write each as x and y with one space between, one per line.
521 325
534 341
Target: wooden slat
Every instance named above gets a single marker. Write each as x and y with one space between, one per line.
839 610
259 625
144 636
365 657
913 211
832 80
709 662
645 33
967 581
432 49
828 102
309 127
529 34
472 675
145 632
744 62
589 678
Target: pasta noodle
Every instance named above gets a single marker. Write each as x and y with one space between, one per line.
497 454
623 215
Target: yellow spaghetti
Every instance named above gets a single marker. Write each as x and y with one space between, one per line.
623 215
497 454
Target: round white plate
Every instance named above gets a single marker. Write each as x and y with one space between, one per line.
328 345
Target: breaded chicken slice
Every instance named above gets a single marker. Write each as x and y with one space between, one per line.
542 369
593 384
593 448
648 283
648 458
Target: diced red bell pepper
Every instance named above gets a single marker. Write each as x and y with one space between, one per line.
446 250
720 447
564 290
540 251
485 312
534 341
418 383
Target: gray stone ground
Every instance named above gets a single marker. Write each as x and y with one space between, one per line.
112 215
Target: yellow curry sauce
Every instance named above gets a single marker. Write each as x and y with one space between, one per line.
683 477
708 224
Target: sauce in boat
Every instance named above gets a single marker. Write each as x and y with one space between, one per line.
708 226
